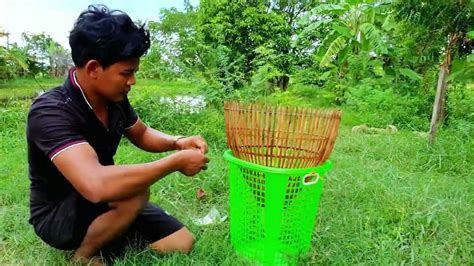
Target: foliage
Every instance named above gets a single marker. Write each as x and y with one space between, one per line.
461 111
13 62
40 56
46 56
451 21
353 27
263 35
463 67
221 76
430 25
173 52
354 51
219 26
382 106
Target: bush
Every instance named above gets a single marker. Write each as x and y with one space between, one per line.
380 106
460 110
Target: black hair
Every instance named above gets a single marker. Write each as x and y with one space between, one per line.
108 36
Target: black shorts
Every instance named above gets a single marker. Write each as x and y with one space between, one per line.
65 225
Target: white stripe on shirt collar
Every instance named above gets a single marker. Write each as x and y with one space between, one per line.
79 86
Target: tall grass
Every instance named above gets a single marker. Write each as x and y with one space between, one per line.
389 198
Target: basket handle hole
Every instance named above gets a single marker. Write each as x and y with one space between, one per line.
310 179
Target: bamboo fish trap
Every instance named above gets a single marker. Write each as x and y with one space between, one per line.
282 137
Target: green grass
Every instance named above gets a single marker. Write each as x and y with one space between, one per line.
389 199
28 87
30 82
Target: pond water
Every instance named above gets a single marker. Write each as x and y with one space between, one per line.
185 103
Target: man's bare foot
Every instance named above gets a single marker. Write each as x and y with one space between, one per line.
94 261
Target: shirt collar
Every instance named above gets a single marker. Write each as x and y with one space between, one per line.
76 85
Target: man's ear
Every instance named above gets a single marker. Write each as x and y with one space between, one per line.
92 68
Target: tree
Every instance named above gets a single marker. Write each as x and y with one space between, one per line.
38 47
279 56
59 60
13 59
447 23
241 27
174 48
354 26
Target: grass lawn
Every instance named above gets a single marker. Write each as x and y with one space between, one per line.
389 198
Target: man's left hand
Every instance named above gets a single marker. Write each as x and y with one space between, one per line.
193 142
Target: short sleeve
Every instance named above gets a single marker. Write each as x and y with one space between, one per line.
51 128
131 117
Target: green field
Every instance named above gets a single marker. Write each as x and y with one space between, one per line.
390 199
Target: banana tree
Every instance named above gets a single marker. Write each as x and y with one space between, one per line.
354 26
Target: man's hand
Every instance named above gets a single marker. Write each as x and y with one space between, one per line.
196 143
191 161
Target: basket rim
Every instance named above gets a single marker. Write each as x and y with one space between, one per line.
321 169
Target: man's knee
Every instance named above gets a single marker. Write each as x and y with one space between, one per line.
180 241
187 242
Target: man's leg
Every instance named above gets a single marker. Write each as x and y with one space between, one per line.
182 241
161 231
110 225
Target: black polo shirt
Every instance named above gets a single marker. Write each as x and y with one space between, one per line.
58 120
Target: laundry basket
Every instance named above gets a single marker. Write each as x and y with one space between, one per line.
273 210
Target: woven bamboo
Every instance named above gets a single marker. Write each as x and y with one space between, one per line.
283 137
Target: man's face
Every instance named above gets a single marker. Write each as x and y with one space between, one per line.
115 81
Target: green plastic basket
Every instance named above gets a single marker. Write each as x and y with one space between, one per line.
273 210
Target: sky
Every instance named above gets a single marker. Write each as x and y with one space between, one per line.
56 17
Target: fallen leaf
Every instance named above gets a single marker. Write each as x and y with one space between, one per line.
200 193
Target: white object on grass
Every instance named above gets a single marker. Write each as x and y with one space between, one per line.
212 217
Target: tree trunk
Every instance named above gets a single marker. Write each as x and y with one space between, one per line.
439 103
282 82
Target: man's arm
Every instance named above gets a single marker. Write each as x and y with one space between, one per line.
151 140
99 183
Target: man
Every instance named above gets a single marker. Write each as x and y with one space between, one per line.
80 200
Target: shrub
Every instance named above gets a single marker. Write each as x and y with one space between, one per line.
382 106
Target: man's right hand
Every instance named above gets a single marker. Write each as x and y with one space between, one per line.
190 162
